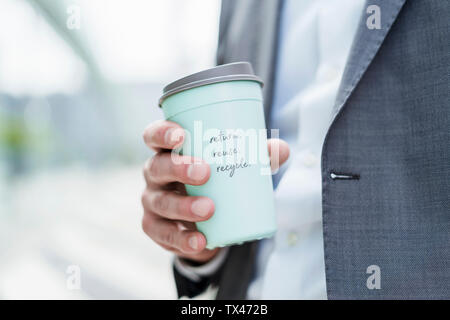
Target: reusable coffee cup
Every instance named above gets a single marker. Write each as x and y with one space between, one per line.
222 114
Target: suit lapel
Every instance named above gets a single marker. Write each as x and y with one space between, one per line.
366 44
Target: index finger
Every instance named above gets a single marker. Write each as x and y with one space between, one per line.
163 134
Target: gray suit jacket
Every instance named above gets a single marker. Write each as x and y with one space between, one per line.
389 135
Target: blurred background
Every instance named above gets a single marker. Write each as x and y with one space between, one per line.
79 82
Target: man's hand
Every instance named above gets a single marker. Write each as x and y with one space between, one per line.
169 214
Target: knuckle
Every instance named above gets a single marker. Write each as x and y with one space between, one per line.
144 173
160 201
146 167
151 130
159 133
169 237
146 134
152 166
145 197
145 224
183 207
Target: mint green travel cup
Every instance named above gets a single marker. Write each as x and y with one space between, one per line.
222 114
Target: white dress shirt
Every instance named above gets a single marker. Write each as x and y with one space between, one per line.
315 41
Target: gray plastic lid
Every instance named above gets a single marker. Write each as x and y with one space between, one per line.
226 72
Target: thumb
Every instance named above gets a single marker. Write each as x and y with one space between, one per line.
278 153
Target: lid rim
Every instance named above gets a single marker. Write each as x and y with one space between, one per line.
237 71
206 82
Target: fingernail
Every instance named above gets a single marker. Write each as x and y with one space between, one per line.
193 242
201 207
197 171
173 136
